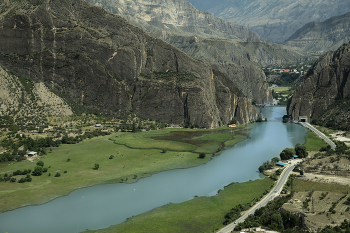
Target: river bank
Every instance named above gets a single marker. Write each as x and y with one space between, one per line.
127 166
238 164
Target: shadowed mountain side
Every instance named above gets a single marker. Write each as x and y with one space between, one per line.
102 63
324 93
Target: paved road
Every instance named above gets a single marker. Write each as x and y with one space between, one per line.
273 193
324 137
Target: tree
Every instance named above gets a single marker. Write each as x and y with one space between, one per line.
38 171
275 160
97 166
287 153
300 150
57 174
40 163
301 172
201 155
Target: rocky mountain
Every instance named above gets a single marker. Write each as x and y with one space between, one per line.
100 62
274 20
324 95
320 37
176 17
203 36
200 34
256 53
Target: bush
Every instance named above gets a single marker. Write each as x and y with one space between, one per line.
97 166
40 163
111 157
201 155
57 174
38 171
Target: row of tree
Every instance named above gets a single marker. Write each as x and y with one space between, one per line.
39 145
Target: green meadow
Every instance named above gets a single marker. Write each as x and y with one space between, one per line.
134 156
314 142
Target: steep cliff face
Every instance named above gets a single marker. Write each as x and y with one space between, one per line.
273 20
176 17
101 62
325 84
208 38
320 37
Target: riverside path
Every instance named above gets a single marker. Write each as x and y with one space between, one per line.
273 193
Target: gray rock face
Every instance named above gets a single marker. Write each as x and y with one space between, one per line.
208 38
327 82
176 17
274 20
102 63
320 37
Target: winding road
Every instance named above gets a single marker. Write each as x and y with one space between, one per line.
321 135
273 193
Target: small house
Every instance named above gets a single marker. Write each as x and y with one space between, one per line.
98 125
232 125
31 154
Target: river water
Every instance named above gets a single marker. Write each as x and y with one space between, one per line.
103 205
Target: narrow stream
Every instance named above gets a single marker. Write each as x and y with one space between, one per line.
104 205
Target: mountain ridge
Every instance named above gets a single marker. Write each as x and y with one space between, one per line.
275 21
320 37
100 62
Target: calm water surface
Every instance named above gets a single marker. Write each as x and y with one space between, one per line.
104 205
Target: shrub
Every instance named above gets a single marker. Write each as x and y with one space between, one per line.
57 174
201 155
38 171
40 163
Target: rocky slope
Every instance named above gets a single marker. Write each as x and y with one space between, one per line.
100 62
257 53
27 104
325 90
175 17
275 21
208 38
320 37
200 34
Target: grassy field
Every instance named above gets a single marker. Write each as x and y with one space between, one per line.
324 130
281 89
201 214
142 157
314 142
301 185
